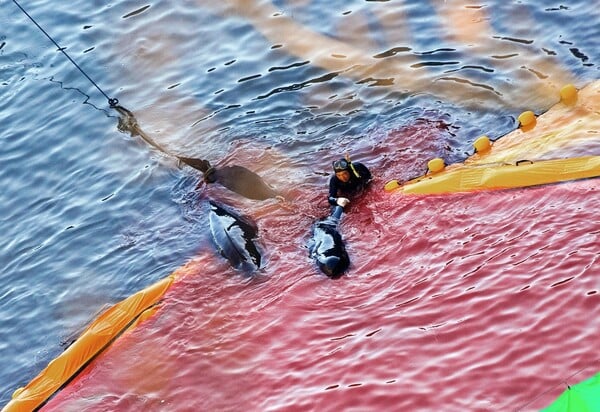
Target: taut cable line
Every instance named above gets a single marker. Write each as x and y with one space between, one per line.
111 101
235 178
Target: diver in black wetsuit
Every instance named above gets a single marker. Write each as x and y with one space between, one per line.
326 246
349 180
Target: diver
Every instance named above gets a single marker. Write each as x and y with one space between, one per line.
349 180
327 246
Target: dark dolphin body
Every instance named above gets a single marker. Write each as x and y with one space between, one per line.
244 182
235 237
236 178
327 246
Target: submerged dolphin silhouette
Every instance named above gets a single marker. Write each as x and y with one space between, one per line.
327 247
234 237
245 182
236 178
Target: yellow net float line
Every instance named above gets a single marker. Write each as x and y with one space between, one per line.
98 335
488 169
506 176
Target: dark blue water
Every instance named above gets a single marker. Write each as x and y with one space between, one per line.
90 214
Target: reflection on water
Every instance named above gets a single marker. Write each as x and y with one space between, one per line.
470 297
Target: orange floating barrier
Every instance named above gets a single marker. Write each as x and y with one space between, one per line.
520 159
101 333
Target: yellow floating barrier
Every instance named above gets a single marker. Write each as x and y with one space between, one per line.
108 326
562 129
504 176
392 185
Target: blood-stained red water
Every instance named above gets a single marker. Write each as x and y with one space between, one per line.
465 302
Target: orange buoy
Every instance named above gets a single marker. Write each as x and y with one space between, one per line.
527 120
568 94
436 165
482 144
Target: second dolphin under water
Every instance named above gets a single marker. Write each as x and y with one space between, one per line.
234 237
327 246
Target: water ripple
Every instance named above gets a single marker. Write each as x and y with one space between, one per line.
473 302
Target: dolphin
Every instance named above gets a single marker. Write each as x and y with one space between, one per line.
243 181
234 236
236 178
327 247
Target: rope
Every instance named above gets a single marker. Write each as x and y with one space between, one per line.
111 101
562 382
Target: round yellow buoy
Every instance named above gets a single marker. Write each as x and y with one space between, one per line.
527 120
17 392
391 185
568 94
436 165
482 144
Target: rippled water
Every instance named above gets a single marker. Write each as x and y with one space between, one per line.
465 302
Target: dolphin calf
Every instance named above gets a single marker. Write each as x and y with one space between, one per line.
327 247
234 236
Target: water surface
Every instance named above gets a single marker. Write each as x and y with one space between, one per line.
463 303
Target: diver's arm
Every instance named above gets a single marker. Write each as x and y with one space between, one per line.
332 199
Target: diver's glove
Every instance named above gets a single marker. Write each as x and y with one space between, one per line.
342 201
